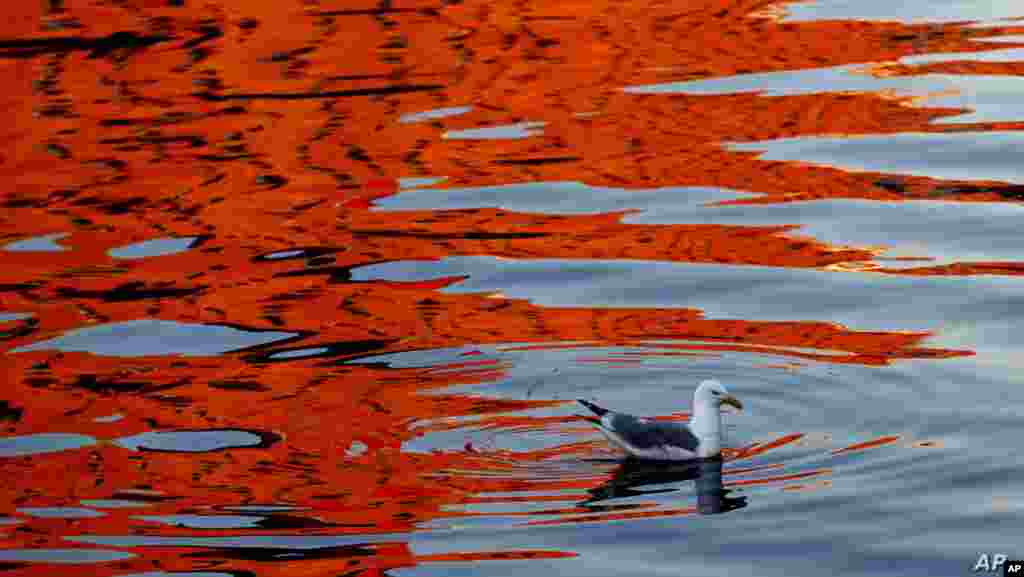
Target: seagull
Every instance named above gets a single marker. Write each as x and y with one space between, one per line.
666 441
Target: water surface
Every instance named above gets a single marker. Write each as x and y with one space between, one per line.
312 289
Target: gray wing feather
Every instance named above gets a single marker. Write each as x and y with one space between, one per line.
647 434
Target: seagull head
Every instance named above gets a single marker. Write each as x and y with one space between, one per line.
713 393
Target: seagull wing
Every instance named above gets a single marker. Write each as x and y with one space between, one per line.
644 434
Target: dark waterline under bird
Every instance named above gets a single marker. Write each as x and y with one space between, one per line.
636 478
644 439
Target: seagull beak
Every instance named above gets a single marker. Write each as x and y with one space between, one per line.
731 400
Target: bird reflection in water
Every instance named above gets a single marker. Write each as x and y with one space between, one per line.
632 474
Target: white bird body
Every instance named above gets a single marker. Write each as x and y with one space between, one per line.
666 441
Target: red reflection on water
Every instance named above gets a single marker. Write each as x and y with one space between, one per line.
883 440
757 449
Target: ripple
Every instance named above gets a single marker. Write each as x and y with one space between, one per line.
60 512
508 131
306 252
988 98
283 254
856 300
63 555
42 443
845 78
955 155
1009 38
910 11
434 114
294 542
148 337
6 317
556 198
154 247
299 353
343 348
197 441
44 243
114 503
205 521
420 182
939 232
270 508
995 55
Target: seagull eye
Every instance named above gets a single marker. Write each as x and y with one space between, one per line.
715 393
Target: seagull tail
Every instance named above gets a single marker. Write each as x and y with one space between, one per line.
600 412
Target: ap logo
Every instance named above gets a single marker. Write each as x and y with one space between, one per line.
999 560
